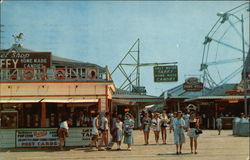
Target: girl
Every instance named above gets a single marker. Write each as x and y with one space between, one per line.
164 124
119 125
179 138
193 124
146 123
219 124
156 127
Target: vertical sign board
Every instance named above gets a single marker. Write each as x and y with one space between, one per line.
87 136
166 73
39 138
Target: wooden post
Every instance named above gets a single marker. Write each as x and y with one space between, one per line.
178 106
43 115
106 99
99 105
216 110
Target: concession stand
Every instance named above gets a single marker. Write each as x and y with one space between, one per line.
39 90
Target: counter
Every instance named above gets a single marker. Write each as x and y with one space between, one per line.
42 137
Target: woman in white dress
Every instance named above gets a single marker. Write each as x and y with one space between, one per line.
128 130
119 125
156 127
179 138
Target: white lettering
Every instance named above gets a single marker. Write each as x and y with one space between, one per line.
15 63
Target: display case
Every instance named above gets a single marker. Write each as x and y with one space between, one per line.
9 118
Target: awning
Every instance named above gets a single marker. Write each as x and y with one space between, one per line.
123 102
216 97
68 100
21 100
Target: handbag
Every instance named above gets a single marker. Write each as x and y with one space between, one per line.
198 131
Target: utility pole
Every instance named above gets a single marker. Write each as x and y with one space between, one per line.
1 36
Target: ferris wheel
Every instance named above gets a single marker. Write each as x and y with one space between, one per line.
225 47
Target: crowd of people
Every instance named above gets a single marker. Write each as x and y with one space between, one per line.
177 123
121 129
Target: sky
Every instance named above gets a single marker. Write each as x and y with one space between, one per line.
102 32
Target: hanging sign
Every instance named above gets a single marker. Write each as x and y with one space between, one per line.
193 84
166 73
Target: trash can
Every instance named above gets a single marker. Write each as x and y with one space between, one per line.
235 126
244 128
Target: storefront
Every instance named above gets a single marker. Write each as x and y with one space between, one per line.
224 100
219 102
134 103
39 90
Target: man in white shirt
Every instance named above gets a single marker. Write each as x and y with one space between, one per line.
63 132
104 129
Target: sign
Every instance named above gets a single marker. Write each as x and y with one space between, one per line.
53 73
86 134
166 73
193 84
39 138
13 59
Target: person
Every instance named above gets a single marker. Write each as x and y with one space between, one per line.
173 116
156 126
104 130
146 123
164 125
193 124
243 118
80 121
186 119
219 124
95 132
142 114
113 130
119 126
128 130
178 126
63 132
204 121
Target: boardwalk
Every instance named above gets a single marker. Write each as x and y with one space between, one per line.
211 147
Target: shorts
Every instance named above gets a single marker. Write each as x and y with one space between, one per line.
94 137
62 133
104 131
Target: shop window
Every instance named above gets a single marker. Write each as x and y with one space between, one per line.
83 114
31 116
9 118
